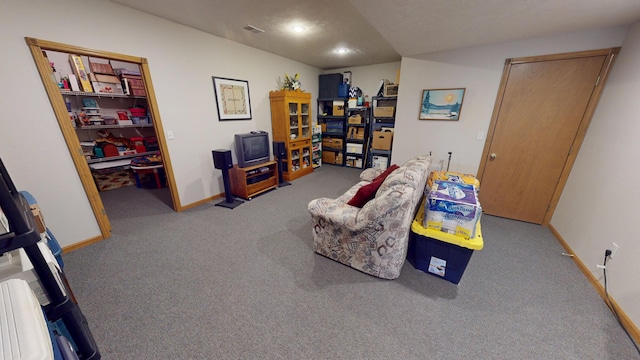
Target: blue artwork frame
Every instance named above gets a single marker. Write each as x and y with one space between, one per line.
441 104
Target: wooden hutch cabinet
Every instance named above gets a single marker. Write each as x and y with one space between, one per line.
291 123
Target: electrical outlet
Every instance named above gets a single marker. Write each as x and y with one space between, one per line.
170 135
480 135
614 249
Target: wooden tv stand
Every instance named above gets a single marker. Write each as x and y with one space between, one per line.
253 180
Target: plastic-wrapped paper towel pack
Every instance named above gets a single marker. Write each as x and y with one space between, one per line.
453 208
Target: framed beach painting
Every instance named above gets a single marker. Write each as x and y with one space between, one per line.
441 104
232 97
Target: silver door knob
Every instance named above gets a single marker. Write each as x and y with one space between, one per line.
493 156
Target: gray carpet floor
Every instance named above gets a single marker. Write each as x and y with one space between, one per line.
215 283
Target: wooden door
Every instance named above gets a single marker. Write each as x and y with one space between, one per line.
542 113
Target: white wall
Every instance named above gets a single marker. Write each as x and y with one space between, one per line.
597 207
182 62
599 204
479 70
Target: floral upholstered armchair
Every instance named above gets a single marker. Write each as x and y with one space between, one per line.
372 238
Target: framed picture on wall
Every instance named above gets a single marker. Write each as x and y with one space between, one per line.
441 104
232 98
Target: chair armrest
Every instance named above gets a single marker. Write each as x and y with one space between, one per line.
370 174
335 212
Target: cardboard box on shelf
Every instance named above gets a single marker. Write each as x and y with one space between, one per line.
356 133
332 157
382 140
338 108
355 119
106 78
383 111
390 90
134 82
138 92
107 88
332 143
38 219
101 68
328 157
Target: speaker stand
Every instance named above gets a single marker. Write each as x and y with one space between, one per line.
281 181
229 202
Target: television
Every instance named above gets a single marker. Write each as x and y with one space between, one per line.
252 148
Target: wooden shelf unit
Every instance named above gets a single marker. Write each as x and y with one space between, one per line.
253 180
291 123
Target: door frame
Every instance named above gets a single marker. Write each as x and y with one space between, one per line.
584 123
36 46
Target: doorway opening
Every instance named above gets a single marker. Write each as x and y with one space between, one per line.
89 114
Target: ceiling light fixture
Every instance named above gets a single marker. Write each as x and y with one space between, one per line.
298 28
342 51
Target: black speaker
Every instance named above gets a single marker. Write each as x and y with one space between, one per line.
222 159
280 152
279 149
329 85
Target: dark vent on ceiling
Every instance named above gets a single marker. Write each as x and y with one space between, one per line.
253 29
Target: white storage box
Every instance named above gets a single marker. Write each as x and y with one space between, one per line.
379 162
24 333
354 148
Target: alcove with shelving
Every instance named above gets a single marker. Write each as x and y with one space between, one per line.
140 91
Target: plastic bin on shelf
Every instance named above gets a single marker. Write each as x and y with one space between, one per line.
24 329
439 253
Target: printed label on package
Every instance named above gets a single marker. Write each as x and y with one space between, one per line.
437 266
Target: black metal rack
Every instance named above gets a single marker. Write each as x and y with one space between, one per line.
24 234
380 121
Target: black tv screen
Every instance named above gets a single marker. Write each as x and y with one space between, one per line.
252 148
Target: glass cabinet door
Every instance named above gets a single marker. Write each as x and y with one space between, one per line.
305 121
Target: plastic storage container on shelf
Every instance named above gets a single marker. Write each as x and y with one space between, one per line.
439 253
24 329
135 111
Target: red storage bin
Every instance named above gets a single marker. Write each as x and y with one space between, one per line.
138 144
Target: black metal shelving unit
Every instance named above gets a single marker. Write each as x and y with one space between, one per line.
379 120
62 307
357 159
334 126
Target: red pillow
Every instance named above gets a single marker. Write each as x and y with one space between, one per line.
368 192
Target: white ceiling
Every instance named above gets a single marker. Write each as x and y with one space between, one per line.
380 31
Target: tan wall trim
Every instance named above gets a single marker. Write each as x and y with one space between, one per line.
200 202
624 318
76 246
93 240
